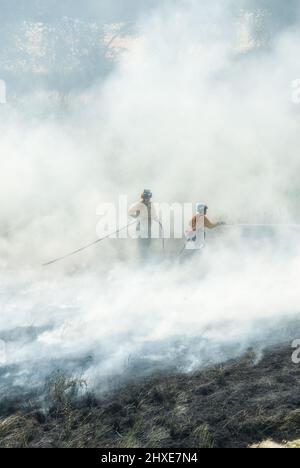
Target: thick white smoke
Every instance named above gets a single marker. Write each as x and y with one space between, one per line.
190 115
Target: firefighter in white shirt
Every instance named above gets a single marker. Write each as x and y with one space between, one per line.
144 211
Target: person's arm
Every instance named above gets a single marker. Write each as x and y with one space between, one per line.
135 210
209 225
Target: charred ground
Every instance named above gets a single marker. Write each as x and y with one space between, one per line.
234 405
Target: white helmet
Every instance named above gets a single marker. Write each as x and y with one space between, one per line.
201 208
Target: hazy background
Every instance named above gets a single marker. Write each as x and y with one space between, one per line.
191 99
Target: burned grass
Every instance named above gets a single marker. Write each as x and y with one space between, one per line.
238 404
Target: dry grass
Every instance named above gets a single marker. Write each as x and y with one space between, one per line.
17 431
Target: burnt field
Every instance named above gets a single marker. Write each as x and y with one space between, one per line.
237 404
